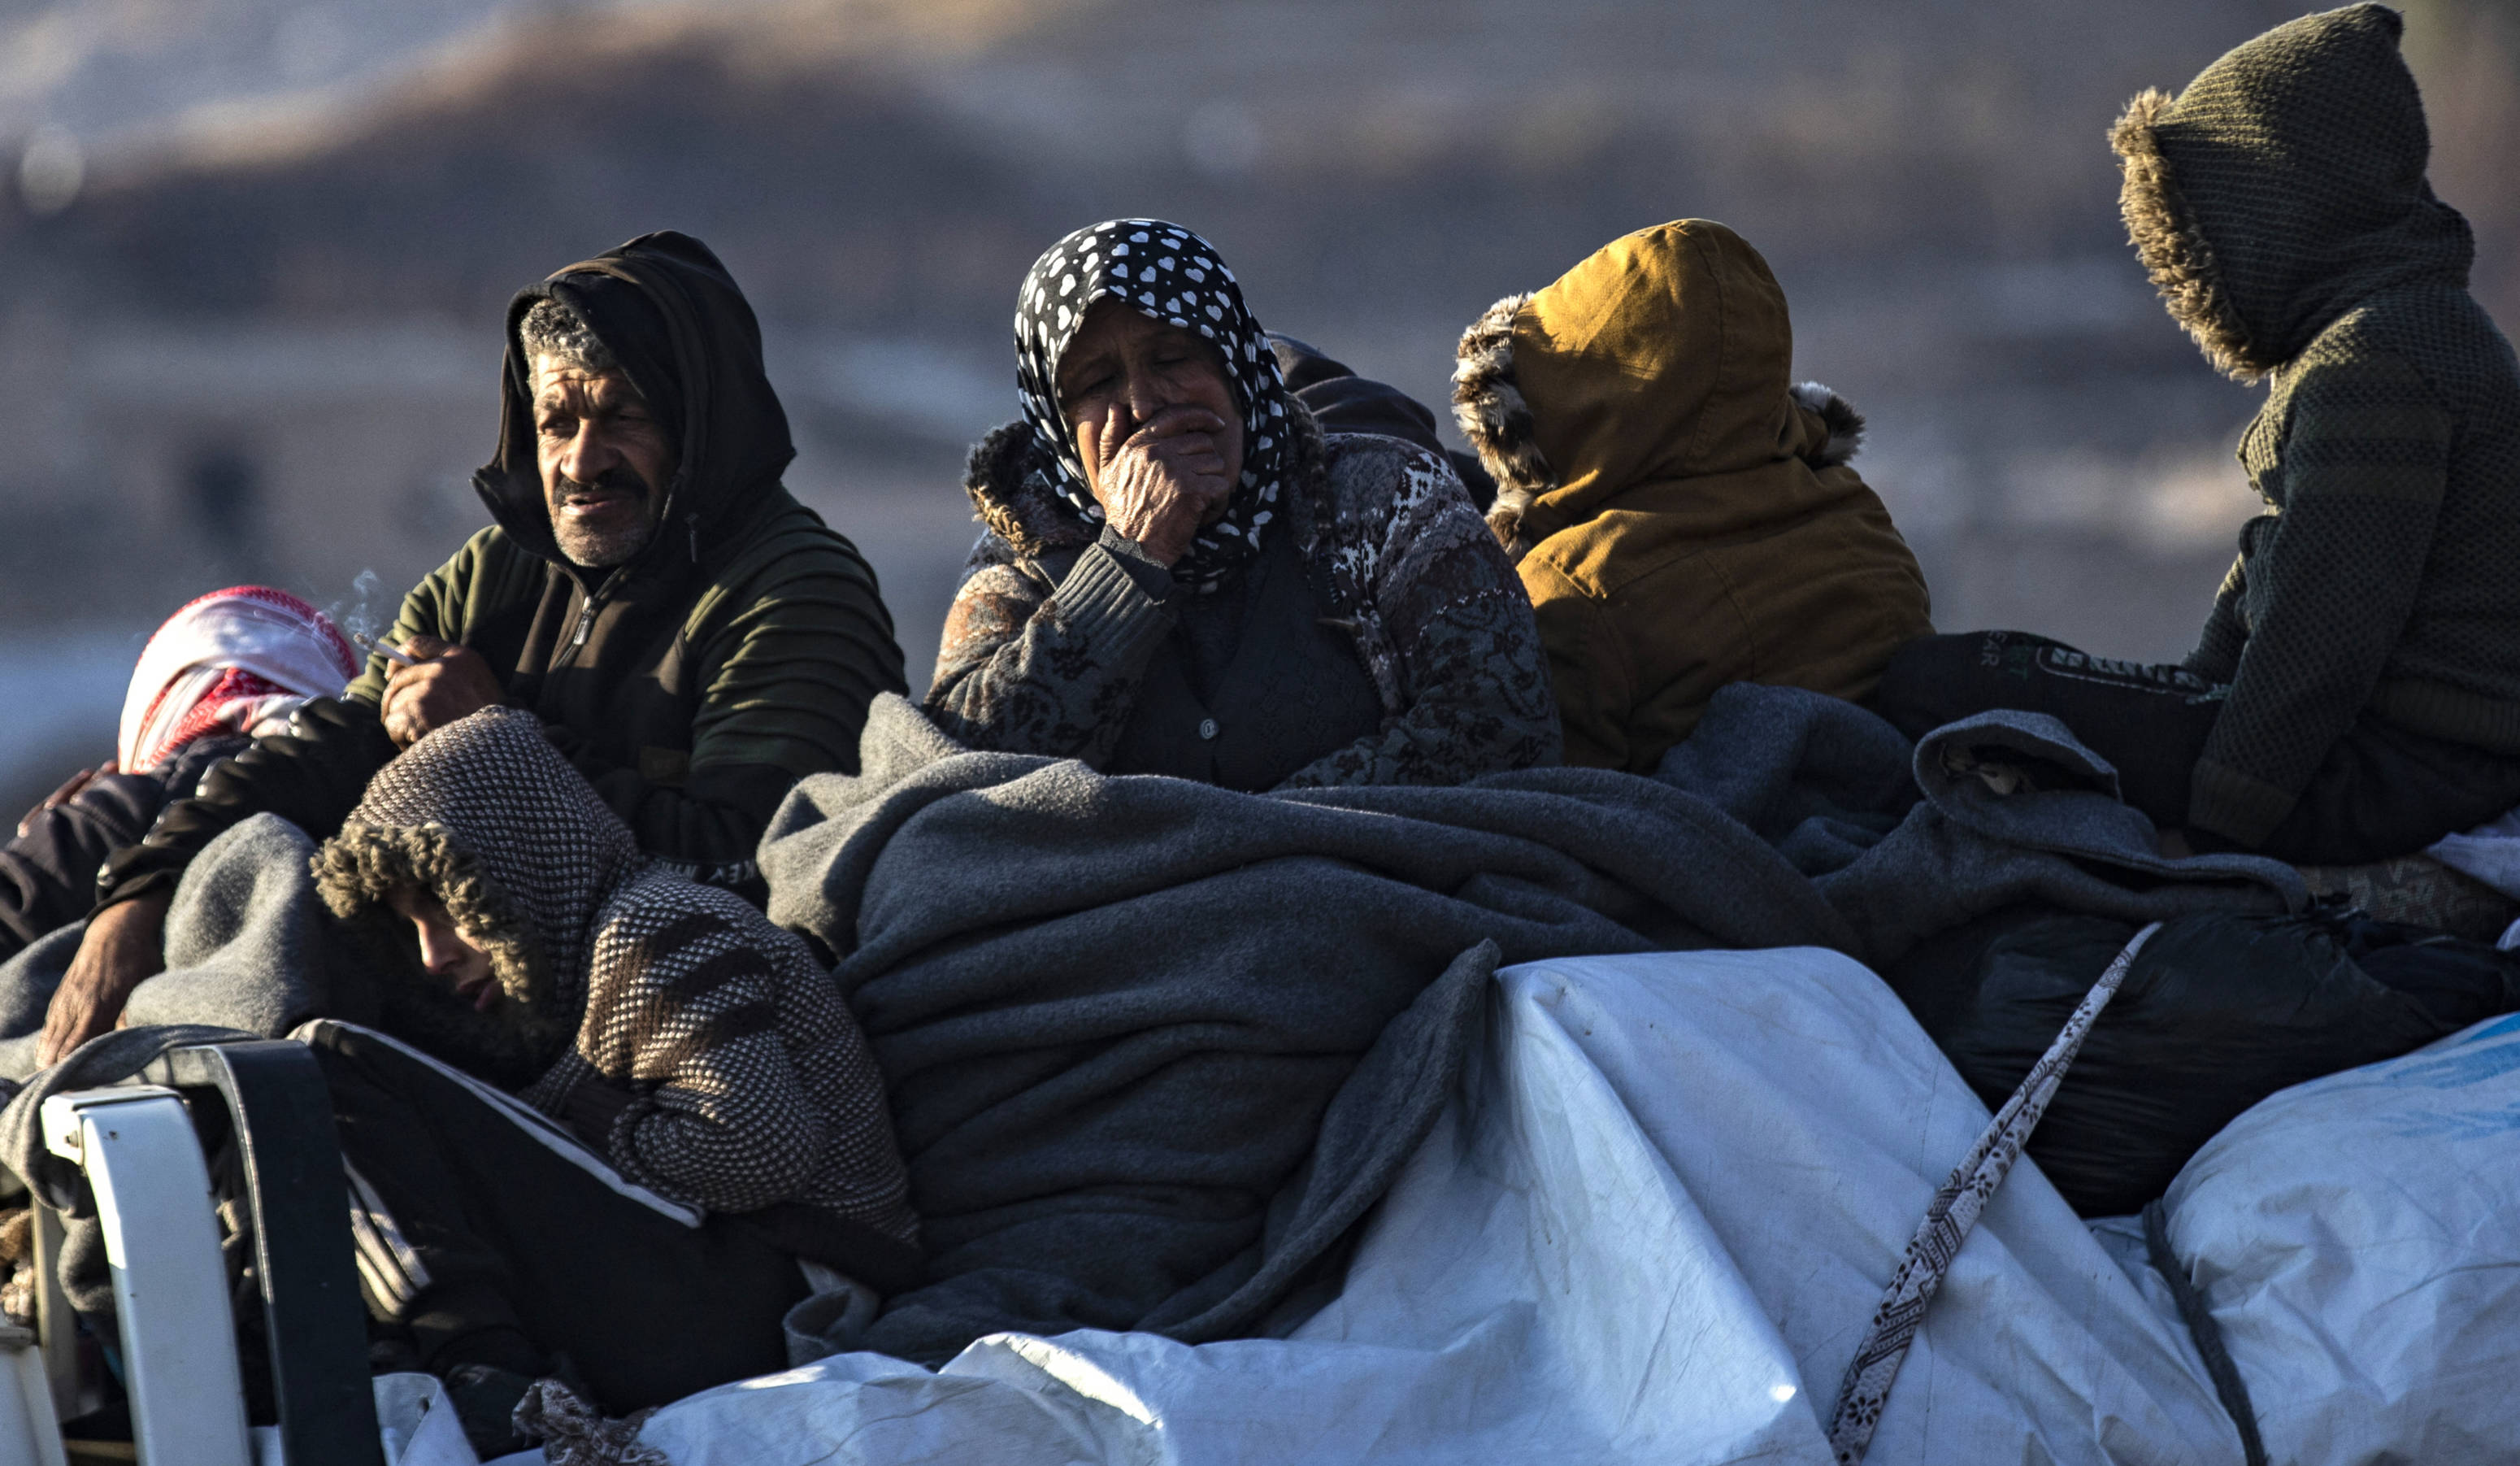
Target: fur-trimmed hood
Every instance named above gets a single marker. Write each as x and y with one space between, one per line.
488 817
2284 186
1009 487
1665 356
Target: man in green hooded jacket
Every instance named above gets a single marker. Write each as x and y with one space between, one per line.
2355 693
693 640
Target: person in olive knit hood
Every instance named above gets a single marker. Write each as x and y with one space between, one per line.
666 1025
2355 693
692 638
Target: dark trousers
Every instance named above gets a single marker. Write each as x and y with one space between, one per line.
2380 792
528 1257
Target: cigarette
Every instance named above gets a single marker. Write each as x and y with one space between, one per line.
382 650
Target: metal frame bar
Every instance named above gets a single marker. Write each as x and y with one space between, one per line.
30 1435
170 1286
55 1326
275 1092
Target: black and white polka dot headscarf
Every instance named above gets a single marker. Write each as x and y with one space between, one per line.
1165 273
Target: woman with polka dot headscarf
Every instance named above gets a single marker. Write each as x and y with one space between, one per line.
1183 576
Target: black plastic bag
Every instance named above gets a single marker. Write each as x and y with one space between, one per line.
2217 1012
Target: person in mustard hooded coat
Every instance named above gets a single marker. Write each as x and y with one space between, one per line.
1682 513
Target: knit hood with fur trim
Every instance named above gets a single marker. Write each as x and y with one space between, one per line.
2284 186
1665 356
487 817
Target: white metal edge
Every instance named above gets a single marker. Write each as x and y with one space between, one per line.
170 1288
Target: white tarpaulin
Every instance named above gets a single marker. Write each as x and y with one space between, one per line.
1658 1220
1652 1230
2358 1237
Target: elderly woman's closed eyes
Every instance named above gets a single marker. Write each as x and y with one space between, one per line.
1183 575
1156 430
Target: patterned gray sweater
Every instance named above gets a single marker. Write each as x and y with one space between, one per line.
702 1050
1057 620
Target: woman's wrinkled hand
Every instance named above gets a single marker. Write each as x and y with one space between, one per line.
1162 483
446 683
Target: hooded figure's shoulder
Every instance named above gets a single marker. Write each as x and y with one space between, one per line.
491 558
1371 478
2435 333
789 551
661 922
792 541
490 574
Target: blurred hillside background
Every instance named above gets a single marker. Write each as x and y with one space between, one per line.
253 255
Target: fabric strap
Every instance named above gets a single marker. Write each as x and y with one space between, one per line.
2199 1317
528 1119
574 1433
1954 1212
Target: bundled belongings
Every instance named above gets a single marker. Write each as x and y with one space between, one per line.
1650 1227
1994 902
1154 1045
1185 574
228 666
2218 1012
2431 890
690 636
2355 693
665 1025
1906 840
1682 514
2353 1238
1341 401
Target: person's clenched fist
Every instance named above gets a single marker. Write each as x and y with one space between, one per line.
446 683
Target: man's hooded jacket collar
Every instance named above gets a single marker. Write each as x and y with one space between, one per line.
2286 185
670 313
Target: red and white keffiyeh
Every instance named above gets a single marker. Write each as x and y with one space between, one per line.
236 659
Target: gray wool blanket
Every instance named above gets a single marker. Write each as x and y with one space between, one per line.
1903 841
1153 1046
249 947
250 953
109 1058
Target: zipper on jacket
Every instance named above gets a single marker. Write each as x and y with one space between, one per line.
590 603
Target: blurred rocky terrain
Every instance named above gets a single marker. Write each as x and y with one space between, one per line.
254 254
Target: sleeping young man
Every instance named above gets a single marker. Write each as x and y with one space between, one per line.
647 1104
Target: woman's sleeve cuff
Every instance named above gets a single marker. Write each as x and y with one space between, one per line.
1104 600
1157 581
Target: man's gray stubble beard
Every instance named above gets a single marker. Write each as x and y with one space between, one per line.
597 549
590 549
